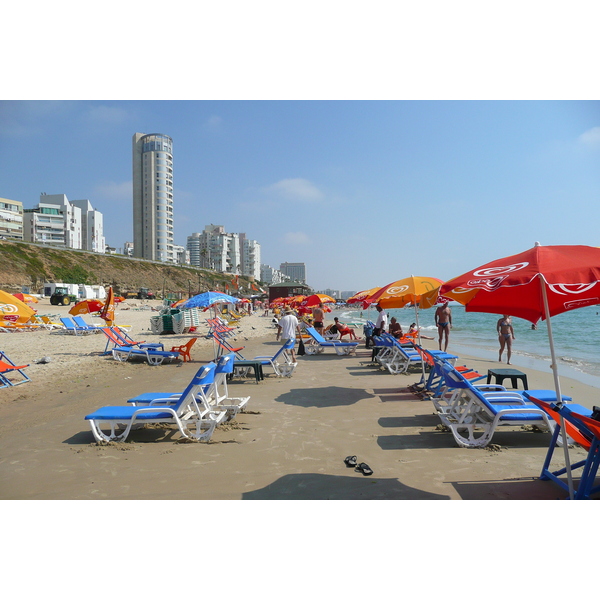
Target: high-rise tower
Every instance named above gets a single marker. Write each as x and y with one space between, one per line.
153 197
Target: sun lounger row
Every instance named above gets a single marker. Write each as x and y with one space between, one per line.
395 356
472 413
196 411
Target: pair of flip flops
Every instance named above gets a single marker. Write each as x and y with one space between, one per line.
351 461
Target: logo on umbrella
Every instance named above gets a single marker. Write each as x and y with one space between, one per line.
495 271
397 290
8 308
571 288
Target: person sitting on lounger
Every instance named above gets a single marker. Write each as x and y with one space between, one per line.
395 328
343 329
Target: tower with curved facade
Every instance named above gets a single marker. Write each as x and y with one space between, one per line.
153 197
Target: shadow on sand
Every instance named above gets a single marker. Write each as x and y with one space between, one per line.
323 397
316 486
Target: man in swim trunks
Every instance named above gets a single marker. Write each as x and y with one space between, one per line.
443 320
506 335
318 317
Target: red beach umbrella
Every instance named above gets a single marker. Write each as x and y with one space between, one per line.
86 306
315 300
536 284
26 298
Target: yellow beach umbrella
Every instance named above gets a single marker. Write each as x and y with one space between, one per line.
405 291
12 310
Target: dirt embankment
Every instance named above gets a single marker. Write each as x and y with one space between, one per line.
24 264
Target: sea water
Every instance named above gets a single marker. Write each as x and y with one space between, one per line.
576 337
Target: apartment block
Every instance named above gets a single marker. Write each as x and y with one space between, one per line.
11 219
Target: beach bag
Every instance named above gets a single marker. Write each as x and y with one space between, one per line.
301 350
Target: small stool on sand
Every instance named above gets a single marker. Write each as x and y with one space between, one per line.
245 366
501 374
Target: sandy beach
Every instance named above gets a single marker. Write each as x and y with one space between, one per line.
290 444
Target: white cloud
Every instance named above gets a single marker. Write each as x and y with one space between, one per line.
297 238
591 137
105 115
297 189
114 191
213 122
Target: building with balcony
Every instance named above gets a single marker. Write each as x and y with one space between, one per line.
11 219
153 197
270 275
54 221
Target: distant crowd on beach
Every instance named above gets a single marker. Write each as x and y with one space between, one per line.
338 330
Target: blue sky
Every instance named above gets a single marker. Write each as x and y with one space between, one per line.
371 144
363 192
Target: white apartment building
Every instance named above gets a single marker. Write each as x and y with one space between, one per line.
271 276
53 221
153 197
92 227
215 249
58 221
250 257
11 219
181 254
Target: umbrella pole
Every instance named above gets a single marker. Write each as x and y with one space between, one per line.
554 368
420 343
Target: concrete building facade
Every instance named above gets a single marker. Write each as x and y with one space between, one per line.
153 197
295 271
11 219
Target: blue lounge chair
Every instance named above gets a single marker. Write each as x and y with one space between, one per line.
473 416
215 394
8 367
70 327
318 343
150 355
194 418
396 358
582 430
79 322
118 339
281 361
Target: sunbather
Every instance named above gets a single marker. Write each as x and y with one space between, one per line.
343 329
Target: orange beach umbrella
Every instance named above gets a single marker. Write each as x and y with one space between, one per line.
108 310
405 291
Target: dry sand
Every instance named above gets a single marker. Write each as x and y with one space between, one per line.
291 443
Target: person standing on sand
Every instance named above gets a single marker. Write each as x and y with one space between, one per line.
506 335
288 327
443 320
318 315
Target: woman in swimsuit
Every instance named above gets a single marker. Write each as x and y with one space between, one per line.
506 335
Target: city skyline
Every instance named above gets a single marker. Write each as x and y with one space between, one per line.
338 185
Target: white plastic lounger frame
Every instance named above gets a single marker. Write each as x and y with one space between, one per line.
318 343
194 419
